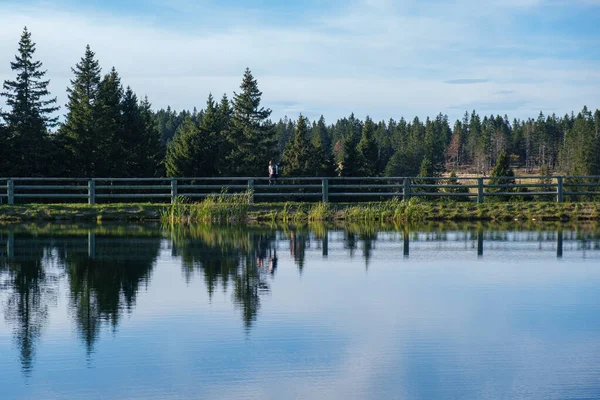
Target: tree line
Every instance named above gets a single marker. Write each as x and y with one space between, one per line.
108 131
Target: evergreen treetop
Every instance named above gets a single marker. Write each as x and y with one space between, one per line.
368 151
26 96
299 154
251 135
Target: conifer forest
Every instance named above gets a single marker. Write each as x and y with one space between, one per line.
108 131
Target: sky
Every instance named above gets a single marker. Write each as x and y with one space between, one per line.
382 58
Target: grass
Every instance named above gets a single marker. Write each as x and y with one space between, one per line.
222 207
225 208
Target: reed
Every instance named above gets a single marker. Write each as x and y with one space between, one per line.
223 207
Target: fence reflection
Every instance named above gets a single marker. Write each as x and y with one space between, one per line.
104 269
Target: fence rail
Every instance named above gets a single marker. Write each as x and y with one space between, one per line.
548 188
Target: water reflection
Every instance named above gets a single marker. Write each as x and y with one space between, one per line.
104 268
30 281
104 273
225 254
104 278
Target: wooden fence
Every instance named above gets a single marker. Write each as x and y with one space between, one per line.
92 191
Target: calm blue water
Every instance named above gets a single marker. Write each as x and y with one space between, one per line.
137 312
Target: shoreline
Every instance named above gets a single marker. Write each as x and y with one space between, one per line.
300 212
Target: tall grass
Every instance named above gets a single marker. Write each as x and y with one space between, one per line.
223 207
320 212
392 210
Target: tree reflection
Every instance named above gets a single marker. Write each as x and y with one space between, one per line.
224 254
106 283
31 288
299 237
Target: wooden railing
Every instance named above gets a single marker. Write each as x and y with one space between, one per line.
547 188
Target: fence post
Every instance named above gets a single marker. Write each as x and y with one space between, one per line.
406 190
10 191
251 190
173 190
325 189
559 190
91 192
480 190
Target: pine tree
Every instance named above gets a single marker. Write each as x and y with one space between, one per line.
323 160
193 150
138 149
367 149
383 135
284 132
434 144
183 151
397 166
299 154
79 134
350 165
252 135
150 160
321 135
453 181
579 155
427 170
109 128
210 129
30 112
502 169
224 147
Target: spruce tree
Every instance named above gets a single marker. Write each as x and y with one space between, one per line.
426 170
502 169
284 132
150 161
224 147
323 160
299 154
579 155
78 134
368 151
350 165
193 152
138 146
126 151
383 135
252 135
398 165
108 117
30 112
210 129
321 135
183 151
225 113
434 144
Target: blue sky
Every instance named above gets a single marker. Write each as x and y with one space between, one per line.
380 58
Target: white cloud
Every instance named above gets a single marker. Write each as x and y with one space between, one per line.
376 57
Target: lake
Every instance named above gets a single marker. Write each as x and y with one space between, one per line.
300 312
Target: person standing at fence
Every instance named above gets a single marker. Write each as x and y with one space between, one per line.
271 173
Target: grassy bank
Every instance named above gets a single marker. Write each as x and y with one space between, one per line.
427 211
226 209
81 212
